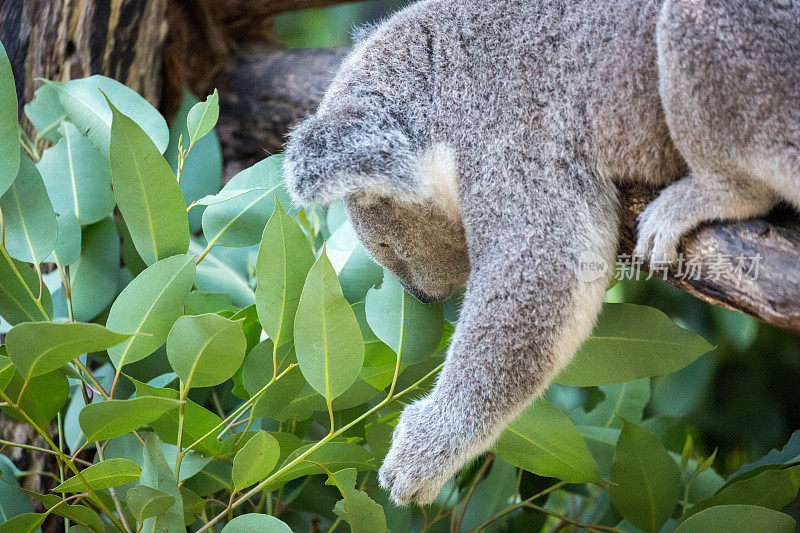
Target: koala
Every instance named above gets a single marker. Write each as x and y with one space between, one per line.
482 142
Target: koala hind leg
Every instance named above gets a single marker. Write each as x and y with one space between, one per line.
524 315
730 88
695 199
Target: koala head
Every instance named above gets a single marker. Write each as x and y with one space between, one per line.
423 247
402 198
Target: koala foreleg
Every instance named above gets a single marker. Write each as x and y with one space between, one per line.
524 315
691 201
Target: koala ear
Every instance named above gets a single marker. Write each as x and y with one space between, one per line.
328 157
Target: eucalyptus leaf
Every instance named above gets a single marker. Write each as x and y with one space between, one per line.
623 401
203 117
30 223
68 243
738 519
9 143
542 440
632 342
774 489
19 291
224 271
86 106
110 473
356 508
94 277
202 169
356 270
12 499
646 480
112 418
284 259
333 455
328 342
240 221
45 112
42 399
147 192
146 502
263 523
255 460
157 474
149 306
410 328
41 347
205 350
77 177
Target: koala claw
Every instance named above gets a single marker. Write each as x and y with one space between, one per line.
658 237
415 469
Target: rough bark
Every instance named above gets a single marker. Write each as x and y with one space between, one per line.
67 39
269 90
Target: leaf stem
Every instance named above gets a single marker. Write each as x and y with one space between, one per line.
117 503
184 393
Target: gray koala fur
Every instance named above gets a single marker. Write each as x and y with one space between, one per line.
481 141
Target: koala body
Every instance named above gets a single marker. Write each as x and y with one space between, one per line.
481 141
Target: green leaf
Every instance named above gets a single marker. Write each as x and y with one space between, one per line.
738 519
46 112
357 509
149 306
202 170
284 259
146 502
773 489
224 270
12 499
94 277
263 523
68 243
77 177
147 192
9 142
157 474
410 328
6 369
43 398
86 106
647 481
327 337
632 342
240 221
30 223
789 454
333 455
255 460
41 347
357 272
206 350
24 523
19 289
110 473
623 401
203 117
601 441
77 513
112 418
199 303
542 440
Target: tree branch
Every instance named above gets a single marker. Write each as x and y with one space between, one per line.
270 90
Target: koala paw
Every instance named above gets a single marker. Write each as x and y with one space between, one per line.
418 463
658 234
